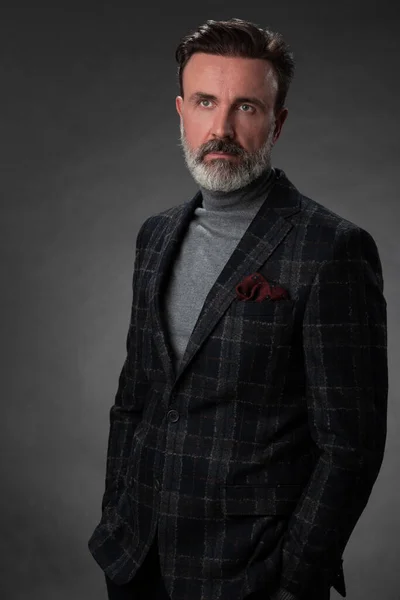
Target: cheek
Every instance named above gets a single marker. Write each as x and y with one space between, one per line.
251 135
194 131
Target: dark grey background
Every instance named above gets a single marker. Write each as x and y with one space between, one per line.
89 149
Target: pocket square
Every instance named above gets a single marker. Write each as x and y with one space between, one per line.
254 287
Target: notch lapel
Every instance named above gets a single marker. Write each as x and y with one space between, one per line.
267 229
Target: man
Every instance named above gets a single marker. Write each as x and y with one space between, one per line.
249 423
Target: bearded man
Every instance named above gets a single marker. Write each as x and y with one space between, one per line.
249 424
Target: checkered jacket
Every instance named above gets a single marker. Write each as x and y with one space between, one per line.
258 456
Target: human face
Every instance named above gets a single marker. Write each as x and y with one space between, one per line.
228 107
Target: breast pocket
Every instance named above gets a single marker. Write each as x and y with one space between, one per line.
261 340
267 310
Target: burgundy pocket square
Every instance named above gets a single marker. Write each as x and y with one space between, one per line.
254 287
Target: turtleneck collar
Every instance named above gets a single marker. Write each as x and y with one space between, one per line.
238 199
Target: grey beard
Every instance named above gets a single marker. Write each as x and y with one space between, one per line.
223 175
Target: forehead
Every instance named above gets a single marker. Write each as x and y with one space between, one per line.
211 71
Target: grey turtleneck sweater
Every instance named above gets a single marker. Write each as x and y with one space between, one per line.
213 234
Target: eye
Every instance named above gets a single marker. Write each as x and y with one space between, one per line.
248 106
205 100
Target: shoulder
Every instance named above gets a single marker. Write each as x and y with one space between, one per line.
309 213
315 214
333 242
333 234
153 225
160 222
322 235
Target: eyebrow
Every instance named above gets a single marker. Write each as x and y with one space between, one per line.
239 99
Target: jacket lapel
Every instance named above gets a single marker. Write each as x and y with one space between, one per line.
268 228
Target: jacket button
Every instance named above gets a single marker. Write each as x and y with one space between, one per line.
173 416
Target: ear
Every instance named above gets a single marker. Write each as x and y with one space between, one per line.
179 105
279 121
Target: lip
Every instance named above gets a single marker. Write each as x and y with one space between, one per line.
218 154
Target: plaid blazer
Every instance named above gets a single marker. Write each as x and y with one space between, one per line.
258 456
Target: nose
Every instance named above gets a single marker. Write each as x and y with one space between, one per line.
222 126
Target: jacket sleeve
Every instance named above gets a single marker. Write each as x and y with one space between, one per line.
345 361
125 413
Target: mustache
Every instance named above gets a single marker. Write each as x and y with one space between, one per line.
221 146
